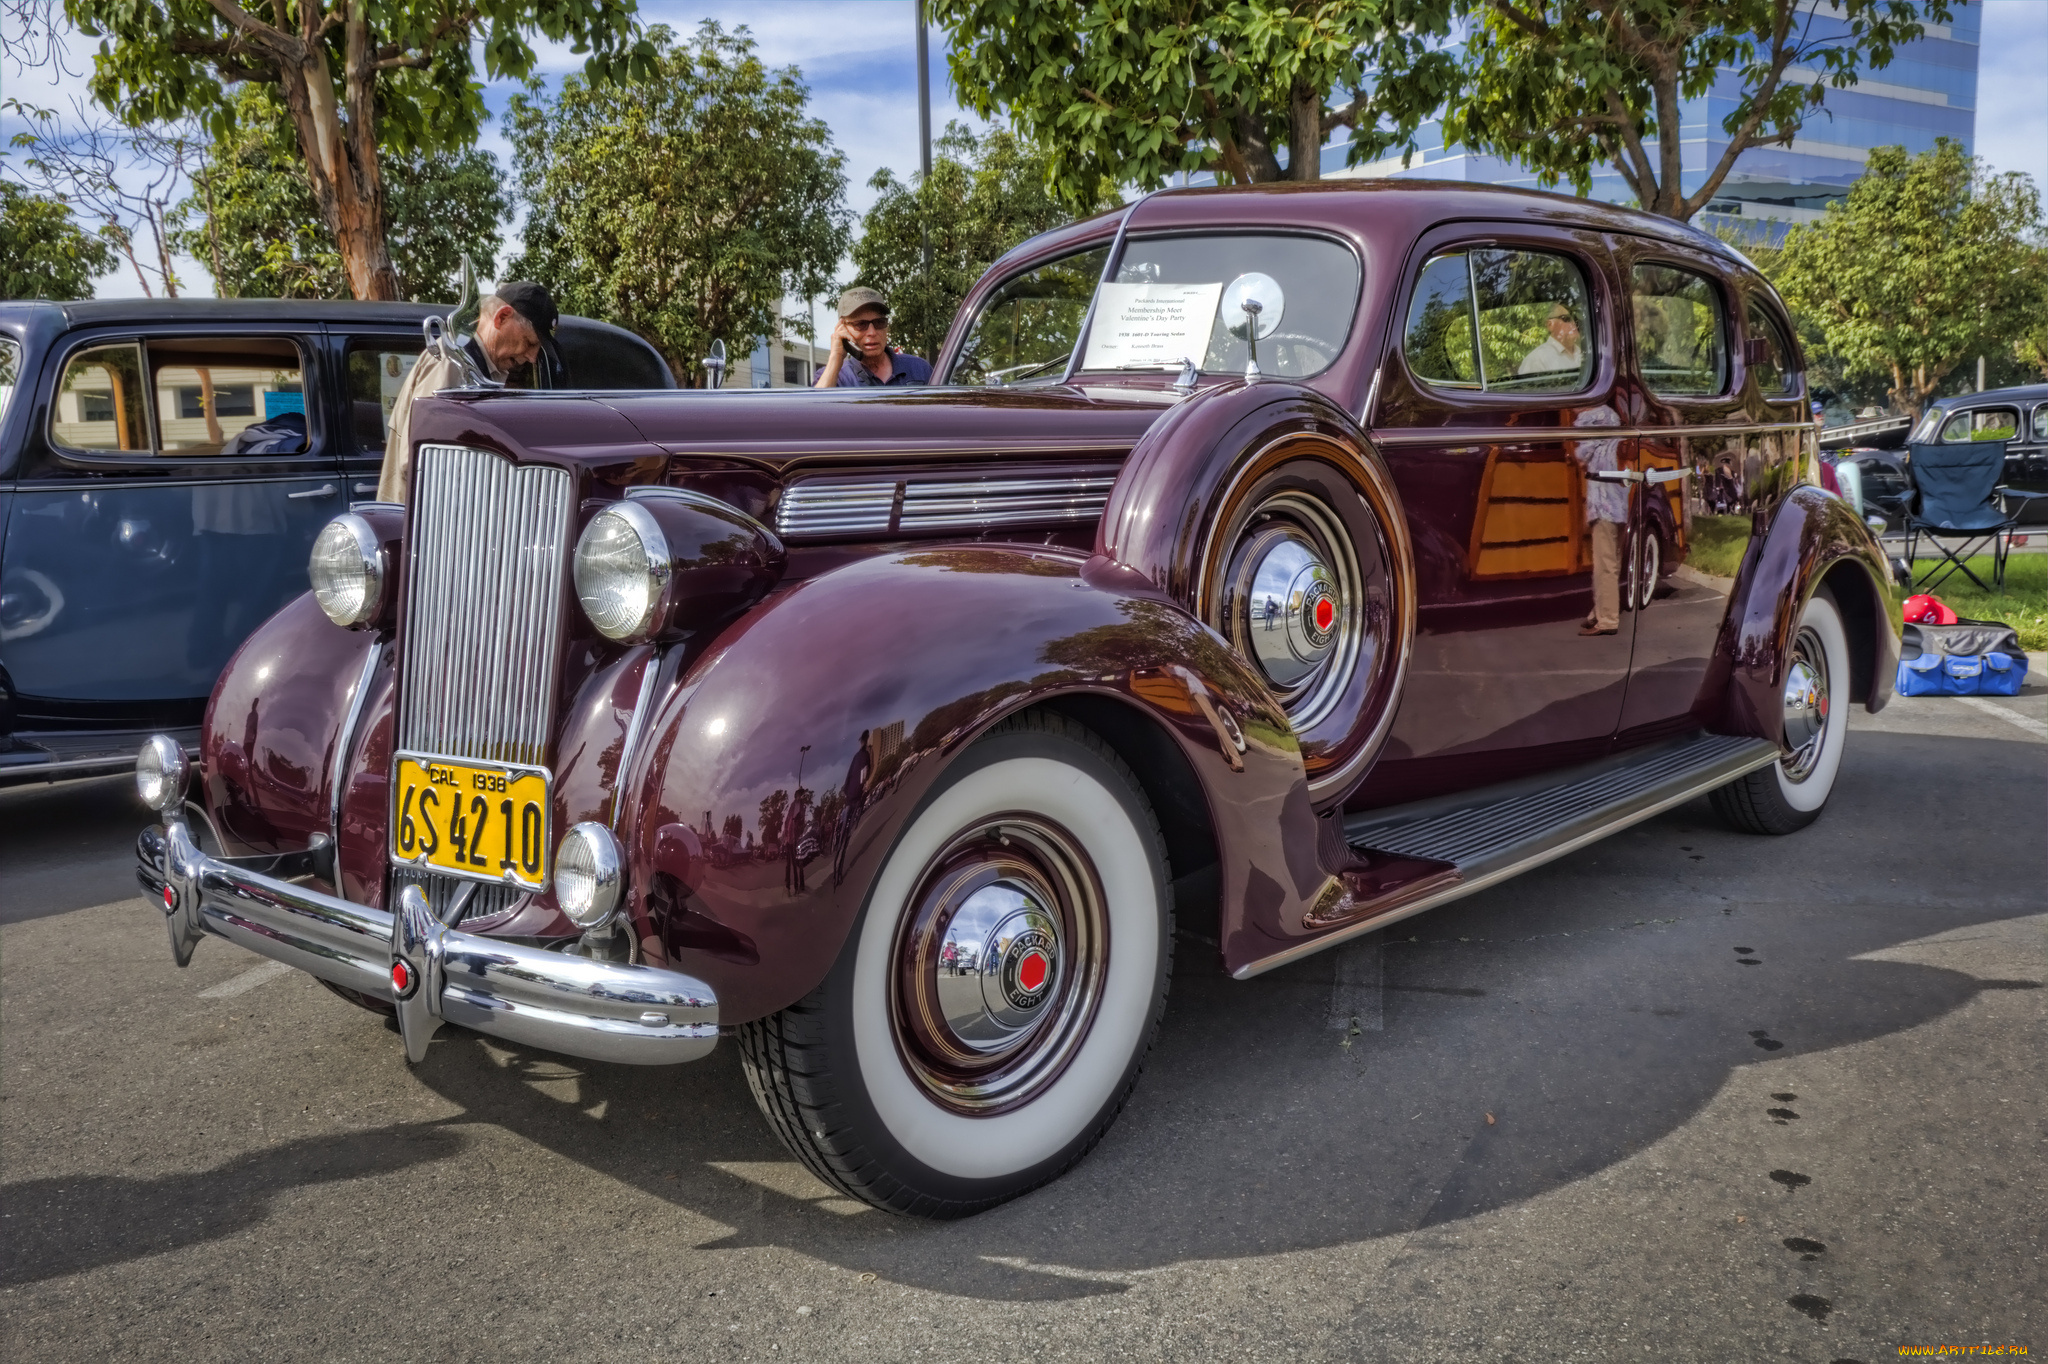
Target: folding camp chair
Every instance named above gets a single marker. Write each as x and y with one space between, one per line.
1958 498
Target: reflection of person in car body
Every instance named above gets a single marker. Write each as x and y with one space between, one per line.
1560 351
1606 514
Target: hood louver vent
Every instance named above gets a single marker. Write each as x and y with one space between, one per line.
817 509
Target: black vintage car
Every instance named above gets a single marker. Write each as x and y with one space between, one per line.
2017 416
164 467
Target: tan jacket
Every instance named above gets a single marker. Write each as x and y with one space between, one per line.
431 374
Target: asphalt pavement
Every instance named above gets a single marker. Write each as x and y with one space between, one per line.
1686 1095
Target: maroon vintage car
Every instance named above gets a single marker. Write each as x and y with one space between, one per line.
1278 562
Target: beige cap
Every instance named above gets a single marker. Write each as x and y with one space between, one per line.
858 297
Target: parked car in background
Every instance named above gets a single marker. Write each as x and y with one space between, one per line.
2017 416
1249 571
164 467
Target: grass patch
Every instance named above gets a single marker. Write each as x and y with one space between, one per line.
1717 544
2023 605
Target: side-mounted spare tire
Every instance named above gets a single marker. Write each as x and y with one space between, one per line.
996 1000
1266 513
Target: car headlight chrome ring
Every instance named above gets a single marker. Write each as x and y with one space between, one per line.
622 573
347 569
590 875
162 773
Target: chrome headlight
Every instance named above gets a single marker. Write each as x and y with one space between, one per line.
162 773
347 569
589 874
622 572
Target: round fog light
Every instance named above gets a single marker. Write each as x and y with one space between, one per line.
161 774
347 569
589 874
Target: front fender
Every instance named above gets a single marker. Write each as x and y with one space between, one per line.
1814 538
781 770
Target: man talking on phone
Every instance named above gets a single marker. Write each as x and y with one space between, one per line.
861 354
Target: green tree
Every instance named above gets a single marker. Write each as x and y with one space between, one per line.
252 221
357 78
43 253
684 206
1569 86
984 196
1132 91
1927 263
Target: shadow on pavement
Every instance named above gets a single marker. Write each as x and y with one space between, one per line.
67 846
61 1226
1592 1007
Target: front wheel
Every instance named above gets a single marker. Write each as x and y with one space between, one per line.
994 1004
1790 793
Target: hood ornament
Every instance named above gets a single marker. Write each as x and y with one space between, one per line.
447 335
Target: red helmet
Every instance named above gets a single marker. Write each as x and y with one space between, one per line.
1921 609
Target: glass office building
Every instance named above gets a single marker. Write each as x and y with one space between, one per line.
1928 91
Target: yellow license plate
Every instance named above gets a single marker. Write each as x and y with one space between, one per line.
482 821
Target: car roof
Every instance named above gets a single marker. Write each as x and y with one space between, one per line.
2019 393
98 311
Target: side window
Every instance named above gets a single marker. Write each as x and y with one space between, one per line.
1984 423
10 372
1681 336
235 396
2040 421
376 371
1774 370
101 402
1027 328
1501 321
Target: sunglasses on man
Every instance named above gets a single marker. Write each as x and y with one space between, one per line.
867 324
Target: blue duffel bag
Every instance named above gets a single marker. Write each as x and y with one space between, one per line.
1969 658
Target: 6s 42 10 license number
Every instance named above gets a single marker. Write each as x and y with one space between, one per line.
482 821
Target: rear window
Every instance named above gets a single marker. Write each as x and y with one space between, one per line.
1681 335
10 372
1774 370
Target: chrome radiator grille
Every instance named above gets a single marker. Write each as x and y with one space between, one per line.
483 613
817 509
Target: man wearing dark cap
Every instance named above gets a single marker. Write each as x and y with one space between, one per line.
861 354
515 327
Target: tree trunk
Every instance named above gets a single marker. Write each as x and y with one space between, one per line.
341 161
1304 133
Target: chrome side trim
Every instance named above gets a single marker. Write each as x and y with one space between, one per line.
1544 435
1459 836
345 738
606 1011
820 508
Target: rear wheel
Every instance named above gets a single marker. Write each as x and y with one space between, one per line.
1790 793
994 1005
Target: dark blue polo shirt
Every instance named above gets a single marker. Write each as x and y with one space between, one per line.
904 369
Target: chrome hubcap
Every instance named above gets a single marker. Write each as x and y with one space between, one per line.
1806 705
999 965
1290 604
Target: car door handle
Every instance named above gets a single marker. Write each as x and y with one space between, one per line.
1668 475
1616 475
362 488
324 490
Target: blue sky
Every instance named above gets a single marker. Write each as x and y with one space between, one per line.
859 59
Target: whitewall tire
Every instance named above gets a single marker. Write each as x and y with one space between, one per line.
1790 793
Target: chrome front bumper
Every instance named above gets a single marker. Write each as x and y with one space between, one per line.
606 1011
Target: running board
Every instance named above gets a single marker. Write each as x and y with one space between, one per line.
1501 831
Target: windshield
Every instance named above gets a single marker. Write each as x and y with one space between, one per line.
1173 298
1178 298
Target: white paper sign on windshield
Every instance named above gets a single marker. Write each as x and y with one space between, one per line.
1151 326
